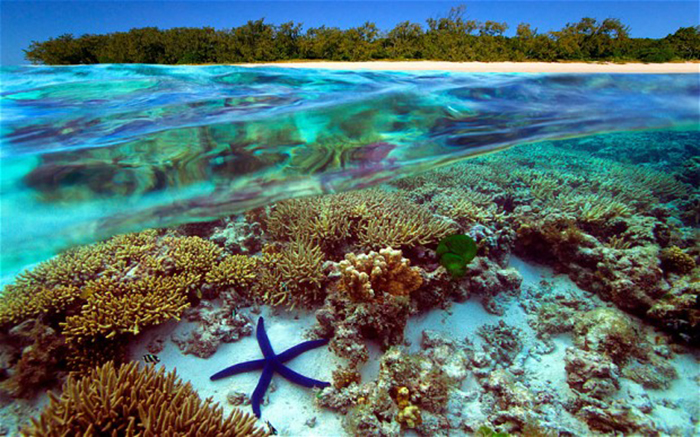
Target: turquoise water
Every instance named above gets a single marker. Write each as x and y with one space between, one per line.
92 151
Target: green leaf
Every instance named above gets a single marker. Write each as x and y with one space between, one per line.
454 264
460 244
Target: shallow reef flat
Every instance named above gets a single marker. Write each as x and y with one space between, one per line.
580 314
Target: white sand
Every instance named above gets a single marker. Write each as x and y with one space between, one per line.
493 67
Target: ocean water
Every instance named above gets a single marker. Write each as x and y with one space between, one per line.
93 151
580 314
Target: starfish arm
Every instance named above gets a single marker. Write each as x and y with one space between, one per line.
239 368
261 388
299 349
263 341
298 378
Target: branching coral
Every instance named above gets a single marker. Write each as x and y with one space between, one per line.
108 291
233 271
292 276
373 218
115 306
131 401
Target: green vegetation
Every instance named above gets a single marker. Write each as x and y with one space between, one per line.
455 252
452 38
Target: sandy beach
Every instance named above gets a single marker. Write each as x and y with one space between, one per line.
494 67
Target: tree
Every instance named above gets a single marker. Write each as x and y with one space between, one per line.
686 42
405 41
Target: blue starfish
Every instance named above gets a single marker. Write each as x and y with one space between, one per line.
273 363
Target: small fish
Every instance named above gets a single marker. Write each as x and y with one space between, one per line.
273 431
151 359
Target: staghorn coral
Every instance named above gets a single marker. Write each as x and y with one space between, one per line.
131 401
369 276
293 276
116 307
118 288
372 218
233 271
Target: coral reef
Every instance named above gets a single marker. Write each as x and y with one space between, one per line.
608 332
503 341
35 354
215 325
411 391
371 300
590 373
371 218
134 400
673 259
106 293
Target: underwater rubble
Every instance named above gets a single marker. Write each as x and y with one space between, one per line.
580 314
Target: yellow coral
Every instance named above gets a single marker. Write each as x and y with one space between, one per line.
410 416
118 307
365 276
192 254
293 276
233 271
674 259
373 217
136 401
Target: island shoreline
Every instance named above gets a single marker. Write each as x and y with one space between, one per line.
491 67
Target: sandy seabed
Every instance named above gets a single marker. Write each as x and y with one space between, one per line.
494 67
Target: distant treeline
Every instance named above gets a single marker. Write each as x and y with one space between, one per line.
452 38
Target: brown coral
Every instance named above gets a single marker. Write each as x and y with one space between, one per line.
134 401
291 275
373 218
673 259
110 290
116 306
368 276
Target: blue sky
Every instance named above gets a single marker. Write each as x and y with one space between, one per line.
24 21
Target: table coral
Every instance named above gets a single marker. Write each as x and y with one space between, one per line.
130 400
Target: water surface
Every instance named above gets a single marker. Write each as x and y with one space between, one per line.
92 151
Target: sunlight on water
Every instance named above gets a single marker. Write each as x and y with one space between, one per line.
92 151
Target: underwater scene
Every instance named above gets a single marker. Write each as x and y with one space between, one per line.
234 251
